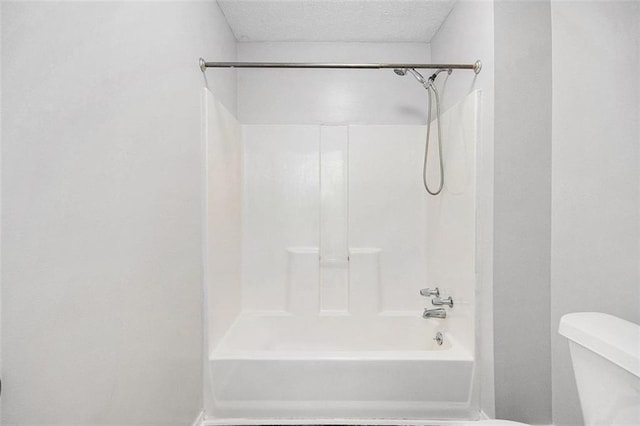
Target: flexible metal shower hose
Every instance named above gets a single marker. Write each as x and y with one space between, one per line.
429 88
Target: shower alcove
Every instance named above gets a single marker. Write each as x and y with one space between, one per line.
318 232
318 240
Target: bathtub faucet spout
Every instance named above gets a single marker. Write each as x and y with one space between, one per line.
434 313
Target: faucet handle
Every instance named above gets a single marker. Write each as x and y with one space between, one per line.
428 292
439 301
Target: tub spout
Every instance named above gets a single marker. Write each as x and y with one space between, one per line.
434 313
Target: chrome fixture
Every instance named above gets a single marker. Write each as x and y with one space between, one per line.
436 301
435 74
439 338
434 313
439 301
428 292
426 83
430 87
416 74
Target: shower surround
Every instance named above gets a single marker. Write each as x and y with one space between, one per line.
319 239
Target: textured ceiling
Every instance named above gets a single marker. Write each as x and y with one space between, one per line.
335 20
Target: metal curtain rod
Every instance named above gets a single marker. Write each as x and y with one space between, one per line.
476 67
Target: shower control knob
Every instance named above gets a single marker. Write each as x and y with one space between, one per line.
439 301
428 292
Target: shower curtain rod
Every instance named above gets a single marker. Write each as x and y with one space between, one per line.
476 67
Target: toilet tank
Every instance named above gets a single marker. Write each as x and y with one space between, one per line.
605 351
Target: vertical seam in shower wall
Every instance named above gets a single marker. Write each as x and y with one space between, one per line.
204 137
480 236
243 211
346 219
243 208
319 287
334 264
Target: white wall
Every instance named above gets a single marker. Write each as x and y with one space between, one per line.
330 96
595 204
522 211
101 235
466 35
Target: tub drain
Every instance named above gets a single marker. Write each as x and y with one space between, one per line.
439 338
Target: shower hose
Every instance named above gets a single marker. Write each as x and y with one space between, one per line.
430 87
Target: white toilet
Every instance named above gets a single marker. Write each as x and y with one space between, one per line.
605 352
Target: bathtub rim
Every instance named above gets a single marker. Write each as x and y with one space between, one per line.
455 351
478 419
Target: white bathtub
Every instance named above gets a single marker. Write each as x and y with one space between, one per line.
281 366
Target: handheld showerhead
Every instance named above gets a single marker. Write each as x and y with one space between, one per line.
425 82
414 73
435 74
430 87
418 76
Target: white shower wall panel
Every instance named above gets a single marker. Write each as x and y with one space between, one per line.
334 236
387 210
222 250
352 343
451 217
334 219
281 219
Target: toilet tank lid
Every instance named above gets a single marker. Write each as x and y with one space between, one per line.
611 337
